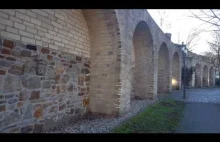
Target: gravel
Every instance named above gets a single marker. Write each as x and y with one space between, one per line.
100 124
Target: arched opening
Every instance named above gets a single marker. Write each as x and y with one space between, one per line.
205 77
211 77
104 61
143 64
163 82
175 71
198 76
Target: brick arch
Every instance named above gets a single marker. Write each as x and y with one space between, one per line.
198 75
175 71
211 76
205 77
163 82
143 65
105 44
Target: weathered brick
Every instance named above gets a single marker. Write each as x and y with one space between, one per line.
40 28
8 43
32 14
38 11
53 46
43 19
47 26
2 72
49 11
14 72
59 44
5 51
10 35
21 10
59 16
19 26
15 19
56 24
6 22
28 40
22 16
31 30
2 27
45 50
16 53
18 68
49 57
2 108
8 11
39 43
35 95
28 24
48 36
12 30
35 21
26 34
10 58
26 53
3 15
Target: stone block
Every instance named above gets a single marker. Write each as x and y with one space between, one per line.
12 83
32 82
35 95
27 129
23 95
8 43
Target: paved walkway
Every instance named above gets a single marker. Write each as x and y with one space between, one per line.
202 111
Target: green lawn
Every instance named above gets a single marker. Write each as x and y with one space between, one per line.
161 117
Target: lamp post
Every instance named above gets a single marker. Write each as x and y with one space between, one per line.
184 69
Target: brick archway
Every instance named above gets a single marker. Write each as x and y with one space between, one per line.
143 65
104 38
163 69
175 71
198 76
211 77
205 77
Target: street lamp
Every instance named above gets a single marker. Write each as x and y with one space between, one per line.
184 49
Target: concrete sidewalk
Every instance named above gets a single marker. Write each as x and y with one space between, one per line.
200 118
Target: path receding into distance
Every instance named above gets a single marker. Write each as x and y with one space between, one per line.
202 111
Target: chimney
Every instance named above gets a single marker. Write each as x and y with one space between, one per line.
168 35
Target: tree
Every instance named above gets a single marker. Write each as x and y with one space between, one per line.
164 24
211 17
193 38
188 75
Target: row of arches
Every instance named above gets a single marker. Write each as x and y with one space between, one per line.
105 46
205 78
144 62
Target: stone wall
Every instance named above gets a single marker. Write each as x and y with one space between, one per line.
40 87
204 74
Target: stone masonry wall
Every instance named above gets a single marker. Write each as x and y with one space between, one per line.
40 87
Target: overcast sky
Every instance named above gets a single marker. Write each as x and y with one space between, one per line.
179 24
